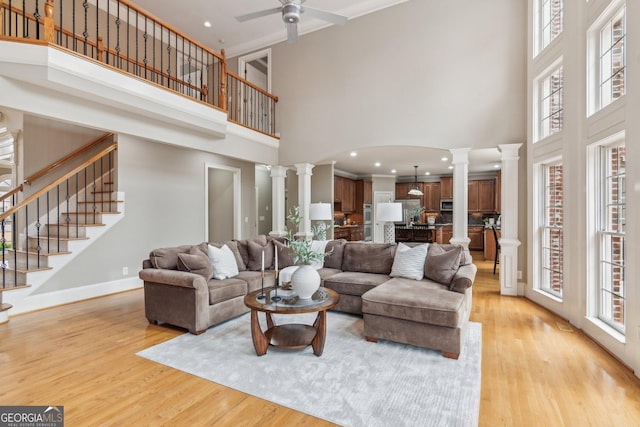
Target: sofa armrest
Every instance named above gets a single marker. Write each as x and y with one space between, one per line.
464 278
173 277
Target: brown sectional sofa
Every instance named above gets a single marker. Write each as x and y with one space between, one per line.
422 312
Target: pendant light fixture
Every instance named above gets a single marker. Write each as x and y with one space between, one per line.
415 191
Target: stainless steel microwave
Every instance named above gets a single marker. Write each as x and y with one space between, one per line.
446 205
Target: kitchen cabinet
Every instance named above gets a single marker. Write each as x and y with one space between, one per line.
341 233
446 187
490 244
431 196
350 232
444 234
356 233
364 193
344 194
482 197
402 190
476 234
498 191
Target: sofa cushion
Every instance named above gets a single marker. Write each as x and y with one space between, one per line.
233 245
374 258
243 247
325 272
223 262
255 255
409 262
354 283
285 254
222 290
196 262
441 265
465 257
464 278
336 248
254 279
422 301
167 258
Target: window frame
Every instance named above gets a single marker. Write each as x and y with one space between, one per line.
543 21
595 52
603 234
543 226
540 114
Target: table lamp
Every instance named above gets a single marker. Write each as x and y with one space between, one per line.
320 212
389 213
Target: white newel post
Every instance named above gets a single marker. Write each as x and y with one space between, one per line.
304 196
509 241
278 175
460 196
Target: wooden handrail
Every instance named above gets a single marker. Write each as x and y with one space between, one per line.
58 181
16 190
251 85
44 171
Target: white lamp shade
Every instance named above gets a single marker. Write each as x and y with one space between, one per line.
389 212
320 211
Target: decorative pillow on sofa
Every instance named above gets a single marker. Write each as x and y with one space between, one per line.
368 257
233 245
195 262
223 262
243 248
255 255
441 266
167 258
285 254
409 262
336 247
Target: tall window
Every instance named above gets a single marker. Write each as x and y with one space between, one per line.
549 22
550 101
611 236
551 239
613 58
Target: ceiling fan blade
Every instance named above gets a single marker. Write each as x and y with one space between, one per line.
258 14
324 15
292 33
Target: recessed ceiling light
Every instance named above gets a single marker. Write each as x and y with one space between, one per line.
496 166
450 166
393 171
207 24
353 154
377 164
427 173
444 159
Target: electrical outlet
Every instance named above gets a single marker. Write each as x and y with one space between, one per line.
519 274
125 271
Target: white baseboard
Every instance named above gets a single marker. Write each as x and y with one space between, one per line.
66 296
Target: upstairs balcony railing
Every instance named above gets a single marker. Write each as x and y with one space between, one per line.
121 35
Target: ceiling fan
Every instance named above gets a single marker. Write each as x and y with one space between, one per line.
291 10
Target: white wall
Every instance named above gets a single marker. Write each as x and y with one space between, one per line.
423 73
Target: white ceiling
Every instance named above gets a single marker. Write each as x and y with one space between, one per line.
238 38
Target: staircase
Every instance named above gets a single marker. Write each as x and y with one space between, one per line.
63 217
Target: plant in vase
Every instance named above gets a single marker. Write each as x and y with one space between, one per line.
305 280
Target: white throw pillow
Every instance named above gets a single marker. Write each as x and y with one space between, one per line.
409 262
223 262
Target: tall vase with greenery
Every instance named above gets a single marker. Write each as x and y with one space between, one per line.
305 280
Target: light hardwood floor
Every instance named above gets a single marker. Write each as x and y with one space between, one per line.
82 356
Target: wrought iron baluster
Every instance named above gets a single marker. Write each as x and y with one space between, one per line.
118 61
68 219
73 26
145 36
85 33
25 23
61 4
128 42
36 15
38 225
4 264
26 241
49 224
59 213
77 208
108 30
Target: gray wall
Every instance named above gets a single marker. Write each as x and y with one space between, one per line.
220 201
164 188
265 205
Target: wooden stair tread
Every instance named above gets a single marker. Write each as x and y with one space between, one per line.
34 252
90 213
76 224
20 269
5 306
61 238
97 202
12 288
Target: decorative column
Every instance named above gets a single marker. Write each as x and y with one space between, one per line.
304 196
509 241
278 175
460 196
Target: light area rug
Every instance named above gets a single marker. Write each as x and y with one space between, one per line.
353 383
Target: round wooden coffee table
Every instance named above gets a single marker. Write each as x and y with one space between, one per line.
292 335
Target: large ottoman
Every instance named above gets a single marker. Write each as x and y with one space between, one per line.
417 312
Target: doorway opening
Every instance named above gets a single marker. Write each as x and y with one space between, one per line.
222 190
